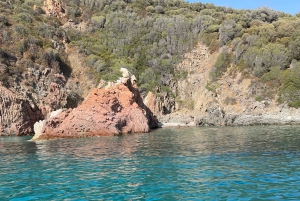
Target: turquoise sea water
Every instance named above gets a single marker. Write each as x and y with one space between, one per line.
242 163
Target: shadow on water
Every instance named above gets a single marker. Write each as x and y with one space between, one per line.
164 142
171 142
206 140
17 145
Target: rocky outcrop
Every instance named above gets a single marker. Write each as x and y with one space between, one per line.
17 115
160 104
54 8
34 95
45 86
113 110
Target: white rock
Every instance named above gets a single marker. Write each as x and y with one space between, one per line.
38 128
125 73
133 79
55 113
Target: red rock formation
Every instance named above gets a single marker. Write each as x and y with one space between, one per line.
17 116
116 110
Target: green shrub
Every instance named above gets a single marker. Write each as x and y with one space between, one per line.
211 41
221 65
3 20
188 104
290 89
212 86
274 76
22 46
98 21
258 98
150 9
19 30
23 17
295 104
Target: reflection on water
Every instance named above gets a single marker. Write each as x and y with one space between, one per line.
174 141
166 164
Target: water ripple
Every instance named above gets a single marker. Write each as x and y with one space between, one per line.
244 163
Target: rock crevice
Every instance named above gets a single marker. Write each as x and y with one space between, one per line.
17 116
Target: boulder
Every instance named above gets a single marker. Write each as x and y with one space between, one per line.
114 110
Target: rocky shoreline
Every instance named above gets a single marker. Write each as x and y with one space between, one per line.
183 119
193 100
230 101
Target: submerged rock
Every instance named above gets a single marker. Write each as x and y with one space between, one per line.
113 110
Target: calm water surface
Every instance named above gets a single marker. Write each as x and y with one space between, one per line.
244 163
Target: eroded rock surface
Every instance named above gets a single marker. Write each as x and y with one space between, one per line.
17 115
113 110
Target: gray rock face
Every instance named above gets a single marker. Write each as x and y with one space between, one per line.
246 120
161 104
17 115
32 98
177 117
268 119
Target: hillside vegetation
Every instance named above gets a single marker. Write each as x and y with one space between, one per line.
149 38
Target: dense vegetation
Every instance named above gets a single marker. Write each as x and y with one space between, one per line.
149 37
29 41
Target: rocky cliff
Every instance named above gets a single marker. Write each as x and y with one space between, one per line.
38 91
231 100
17 115
25 102
113 110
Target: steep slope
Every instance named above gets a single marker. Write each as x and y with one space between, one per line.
39 73
81 79
231 100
